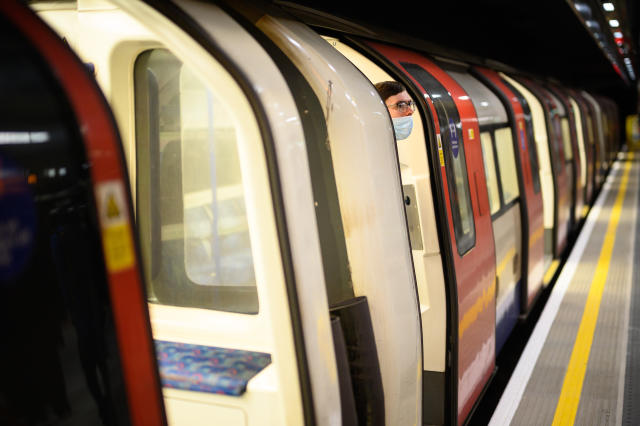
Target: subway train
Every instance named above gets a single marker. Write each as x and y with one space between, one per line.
211 203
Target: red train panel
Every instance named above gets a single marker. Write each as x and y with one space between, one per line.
474 262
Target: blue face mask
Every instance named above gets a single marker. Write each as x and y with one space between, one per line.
402 126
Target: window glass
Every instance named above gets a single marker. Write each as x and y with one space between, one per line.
490 171
191 208
533 155
455 163
566 139
462 187
507 164
557 156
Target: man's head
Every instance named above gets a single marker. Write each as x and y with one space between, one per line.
396 98
400 106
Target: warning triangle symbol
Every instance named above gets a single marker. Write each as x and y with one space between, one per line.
112 207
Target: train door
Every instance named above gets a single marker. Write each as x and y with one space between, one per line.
569 149
588 132
504 183
470 240
549 128
367 176
77 345
224 209
600 150
563 166
416 177
577 142
529 176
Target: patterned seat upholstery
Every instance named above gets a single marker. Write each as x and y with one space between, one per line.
208 369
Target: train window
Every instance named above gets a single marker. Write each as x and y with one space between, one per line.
455 162
533 155
557 156
490 171
190 196
566 139
507 164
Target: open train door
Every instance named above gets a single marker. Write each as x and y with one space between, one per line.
225 208
471 284
77 345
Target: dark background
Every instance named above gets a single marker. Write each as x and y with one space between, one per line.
548 38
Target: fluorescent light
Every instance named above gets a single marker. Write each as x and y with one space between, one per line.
614 23
19 137
608 6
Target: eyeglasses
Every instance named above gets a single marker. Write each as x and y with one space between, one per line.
403 106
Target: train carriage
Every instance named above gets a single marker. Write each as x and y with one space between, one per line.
527 164
504 184
302 264
581 114
569 124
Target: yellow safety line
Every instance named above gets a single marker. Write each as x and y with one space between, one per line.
567 407
550 272
585 211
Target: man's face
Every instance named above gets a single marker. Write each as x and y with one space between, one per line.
392 105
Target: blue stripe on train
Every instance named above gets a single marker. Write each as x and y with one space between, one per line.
507 316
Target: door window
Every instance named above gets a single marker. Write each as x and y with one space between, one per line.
190 197
455 162
490 171
507 164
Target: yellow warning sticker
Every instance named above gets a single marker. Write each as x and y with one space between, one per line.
440 153
471 134
116 230
118 247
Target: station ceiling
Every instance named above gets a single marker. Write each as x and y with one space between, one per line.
551 38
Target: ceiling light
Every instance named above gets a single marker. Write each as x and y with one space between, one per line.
608 6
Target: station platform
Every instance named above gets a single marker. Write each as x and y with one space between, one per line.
581 364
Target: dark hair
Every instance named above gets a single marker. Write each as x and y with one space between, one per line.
389 88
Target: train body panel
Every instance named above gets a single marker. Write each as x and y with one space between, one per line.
562 170
472 247
546 173
565 137
570 151
589 134
505 205
425 245
533 227
599 140
581 142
